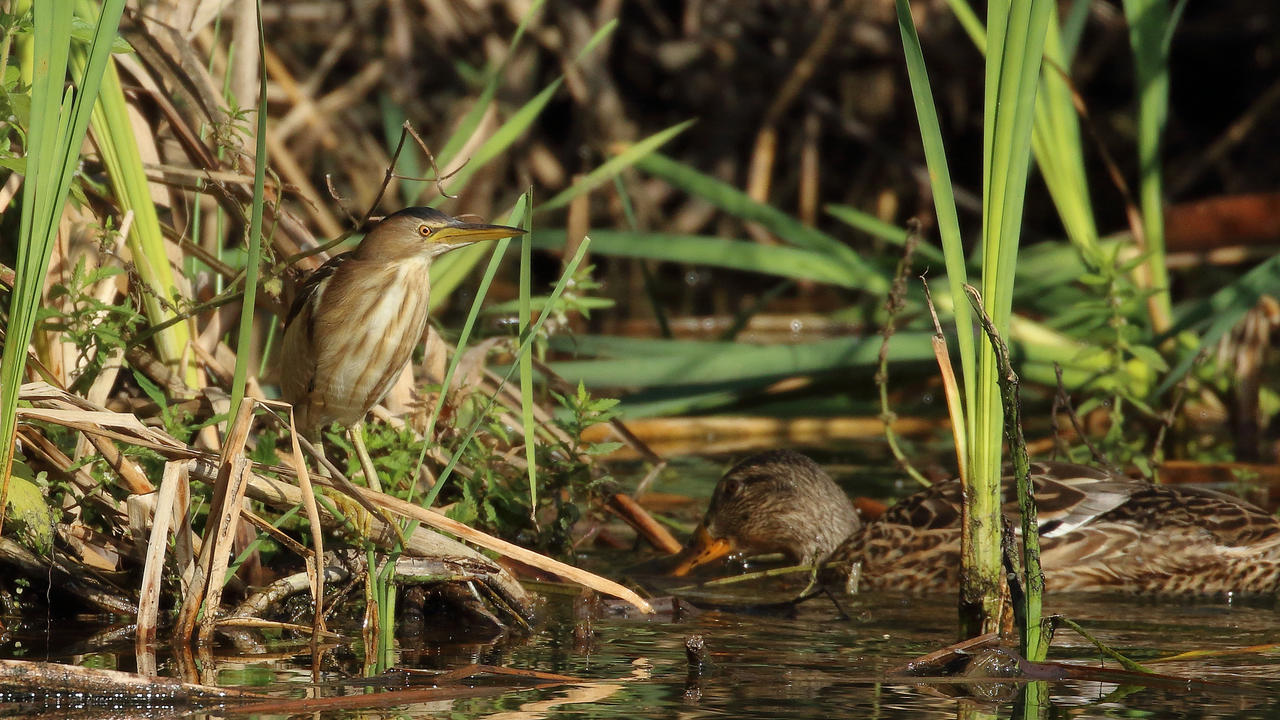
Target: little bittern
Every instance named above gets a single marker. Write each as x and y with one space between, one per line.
357 318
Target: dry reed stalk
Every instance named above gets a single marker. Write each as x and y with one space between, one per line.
643 523
762 157
502 547
23 675
951 388
235 478
220 526
314 561
810 170
175 476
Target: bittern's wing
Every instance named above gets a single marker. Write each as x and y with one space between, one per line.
297 353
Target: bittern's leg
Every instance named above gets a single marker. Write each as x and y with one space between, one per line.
356 434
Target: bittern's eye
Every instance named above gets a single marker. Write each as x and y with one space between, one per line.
424 230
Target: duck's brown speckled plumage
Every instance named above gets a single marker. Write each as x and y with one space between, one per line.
1098 532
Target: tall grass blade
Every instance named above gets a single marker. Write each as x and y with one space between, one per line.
526 342
1150 26
614 165
1220 312
1016 32
789 229
525 315
516 125
58 123
676 363
945 206
244 339
1014 46
878 228
780 260
514 219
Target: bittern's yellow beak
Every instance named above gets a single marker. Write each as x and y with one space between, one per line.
702 549
465 233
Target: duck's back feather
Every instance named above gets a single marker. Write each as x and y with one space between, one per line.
1098 531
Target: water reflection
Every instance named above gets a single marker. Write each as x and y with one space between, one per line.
814 666
806 665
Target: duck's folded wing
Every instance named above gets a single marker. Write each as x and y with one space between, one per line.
1230 521
1069 496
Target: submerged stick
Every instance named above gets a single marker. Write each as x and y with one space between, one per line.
1034 646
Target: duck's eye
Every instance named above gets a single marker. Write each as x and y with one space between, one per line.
729 488
424 230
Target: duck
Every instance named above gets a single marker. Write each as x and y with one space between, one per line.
1099 531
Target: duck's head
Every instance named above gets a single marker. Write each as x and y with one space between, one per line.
774 502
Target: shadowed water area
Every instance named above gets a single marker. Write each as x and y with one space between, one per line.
807 666
798 662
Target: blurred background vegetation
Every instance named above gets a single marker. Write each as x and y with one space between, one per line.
745 173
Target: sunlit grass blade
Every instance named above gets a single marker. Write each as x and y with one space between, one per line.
614 165
1056 135
1059 152
525 346
945 206
393 118
779 260
1150 24
525 315
244 339
475 114
449 270
737 203
1014 46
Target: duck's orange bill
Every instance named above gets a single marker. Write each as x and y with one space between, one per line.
702 549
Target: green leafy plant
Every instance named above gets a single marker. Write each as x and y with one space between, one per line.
96 328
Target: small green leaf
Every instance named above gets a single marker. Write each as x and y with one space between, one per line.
1150 356
603 448
83 32
152 390
27 508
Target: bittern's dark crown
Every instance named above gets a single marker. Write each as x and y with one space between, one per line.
416 231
